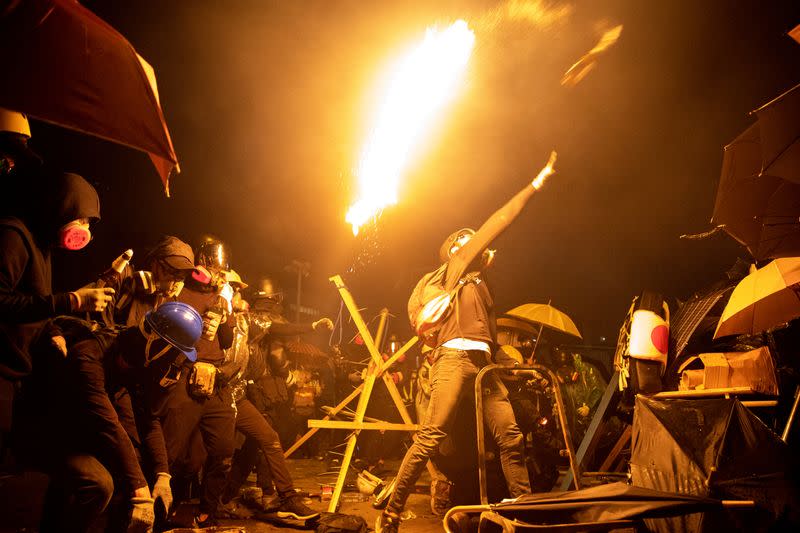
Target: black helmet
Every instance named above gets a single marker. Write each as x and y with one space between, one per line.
214 255
268 289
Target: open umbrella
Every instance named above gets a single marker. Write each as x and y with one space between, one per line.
759 211
545 315
779 125
64 65
763 299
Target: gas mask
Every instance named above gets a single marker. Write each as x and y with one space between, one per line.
75 235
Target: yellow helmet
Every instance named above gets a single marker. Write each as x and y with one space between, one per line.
14 122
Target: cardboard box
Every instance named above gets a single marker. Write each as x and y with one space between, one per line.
754 369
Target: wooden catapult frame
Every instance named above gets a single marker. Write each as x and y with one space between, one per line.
377 369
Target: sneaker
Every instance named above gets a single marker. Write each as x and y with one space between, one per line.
441 500
294 508
270 503
387 523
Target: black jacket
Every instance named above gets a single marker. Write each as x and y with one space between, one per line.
26 297
473 315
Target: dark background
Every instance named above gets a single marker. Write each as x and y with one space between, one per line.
266 102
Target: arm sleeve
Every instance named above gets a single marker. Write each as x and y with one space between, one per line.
16 306
288 329
98 412
489 231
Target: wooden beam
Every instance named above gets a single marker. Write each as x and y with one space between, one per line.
346 424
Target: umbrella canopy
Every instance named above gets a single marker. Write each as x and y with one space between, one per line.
760 211
763 299
64 65
513 323
779 122
614 501
546 315
711 447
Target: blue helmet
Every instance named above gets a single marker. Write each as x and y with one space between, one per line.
178 324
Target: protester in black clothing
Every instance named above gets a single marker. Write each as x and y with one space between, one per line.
259 434
164 268
91 416
202 400
53 211
267 372
463 344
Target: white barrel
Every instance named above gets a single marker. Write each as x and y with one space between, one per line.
649 337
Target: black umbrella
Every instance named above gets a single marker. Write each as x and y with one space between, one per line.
590 508
779 124
760 211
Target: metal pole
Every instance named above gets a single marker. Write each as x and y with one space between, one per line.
785 435
299 292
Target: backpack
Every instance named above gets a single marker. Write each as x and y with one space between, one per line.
430 304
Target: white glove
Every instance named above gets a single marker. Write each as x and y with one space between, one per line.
93 300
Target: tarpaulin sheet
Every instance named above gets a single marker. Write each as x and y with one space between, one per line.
715 448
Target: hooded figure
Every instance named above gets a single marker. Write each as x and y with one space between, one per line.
52 211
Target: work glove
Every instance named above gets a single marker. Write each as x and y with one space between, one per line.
211 322
142 515
162 491
327 322
92 300
583 410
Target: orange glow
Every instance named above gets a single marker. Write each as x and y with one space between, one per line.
421 83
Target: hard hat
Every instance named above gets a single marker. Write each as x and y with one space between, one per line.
14 122
233 277
368 483
178 324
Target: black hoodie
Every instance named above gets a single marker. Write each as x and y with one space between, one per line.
46 203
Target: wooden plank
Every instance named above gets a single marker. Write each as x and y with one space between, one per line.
592 435
624 439
346 424
705 393
310 433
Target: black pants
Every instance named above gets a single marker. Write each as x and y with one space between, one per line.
259 436
215 418
80 489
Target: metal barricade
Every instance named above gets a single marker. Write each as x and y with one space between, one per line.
561 417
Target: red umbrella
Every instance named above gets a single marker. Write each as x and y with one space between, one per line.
64 65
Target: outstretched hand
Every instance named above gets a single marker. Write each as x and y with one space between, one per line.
548 170
327 322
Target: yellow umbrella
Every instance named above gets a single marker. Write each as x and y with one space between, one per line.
513 323
546 315
765 298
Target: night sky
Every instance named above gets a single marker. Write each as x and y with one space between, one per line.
266 102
